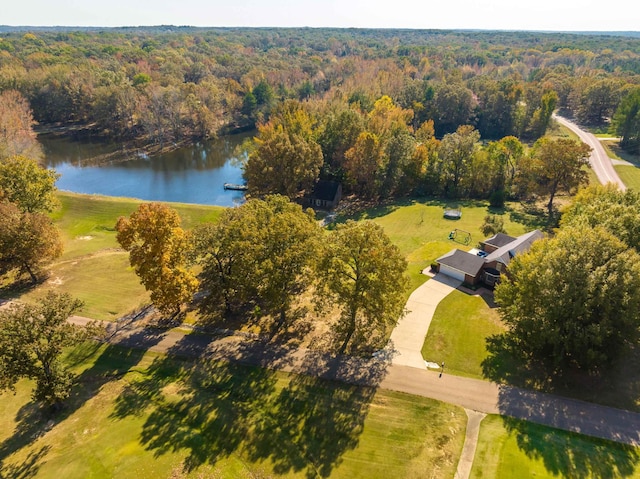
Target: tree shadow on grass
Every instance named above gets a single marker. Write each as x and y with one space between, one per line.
210 409
529 215
316 419
33 421
572 455
27 468
618 386
202 407
563 453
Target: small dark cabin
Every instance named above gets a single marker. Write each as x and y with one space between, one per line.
325 195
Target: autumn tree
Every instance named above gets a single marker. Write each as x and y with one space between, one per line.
224 252
260 252
425 170
32 339
362 273
16 127
283 162
454 105
28 241
572 302
386 117
28 185
399 152
541 115
598 102
363 163
158 248
504 156
289 239
555 166
339 133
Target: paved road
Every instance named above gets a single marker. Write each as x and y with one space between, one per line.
483 396
600 161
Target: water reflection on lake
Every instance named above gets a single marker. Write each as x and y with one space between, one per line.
194 174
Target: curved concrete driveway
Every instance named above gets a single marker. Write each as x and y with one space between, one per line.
408 336
600 161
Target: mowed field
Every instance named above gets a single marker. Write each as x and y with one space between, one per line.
93 268
508 448
140 415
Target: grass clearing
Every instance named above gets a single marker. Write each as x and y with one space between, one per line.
92 267
421 232
612 147
630 175
458 331
136 414
509 448
88 221
105 282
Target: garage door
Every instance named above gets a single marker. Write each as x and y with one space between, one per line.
454 273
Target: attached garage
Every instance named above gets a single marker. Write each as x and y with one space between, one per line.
461 265
451 272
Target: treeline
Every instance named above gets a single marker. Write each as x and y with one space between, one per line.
168 84
385 152
270 259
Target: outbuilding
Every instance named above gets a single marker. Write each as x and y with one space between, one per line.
325 195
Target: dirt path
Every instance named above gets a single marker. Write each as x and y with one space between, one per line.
600 161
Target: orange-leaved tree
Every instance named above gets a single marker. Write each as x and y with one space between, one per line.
158 248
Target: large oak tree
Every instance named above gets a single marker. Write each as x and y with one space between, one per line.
32 338
362 273
28 241
260 252
283 162
555 165
572 302
27 184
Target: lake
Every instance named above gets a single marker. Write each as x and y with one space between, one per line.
194 174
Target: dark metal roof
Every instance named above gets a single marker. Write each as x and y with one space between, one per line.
499 240
462 261
325 190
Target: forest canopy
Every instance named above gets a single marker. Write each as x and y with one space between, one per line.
176 83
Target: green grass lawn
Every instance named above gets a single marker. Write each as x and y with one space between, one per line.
135 414
509 448
88 221
104 281
630 175
92 267
458 331
421 232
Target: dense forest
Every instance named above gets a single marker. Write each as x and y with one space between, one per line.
334 96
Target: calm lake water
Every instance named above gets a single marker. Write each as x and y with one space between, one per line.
194 174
